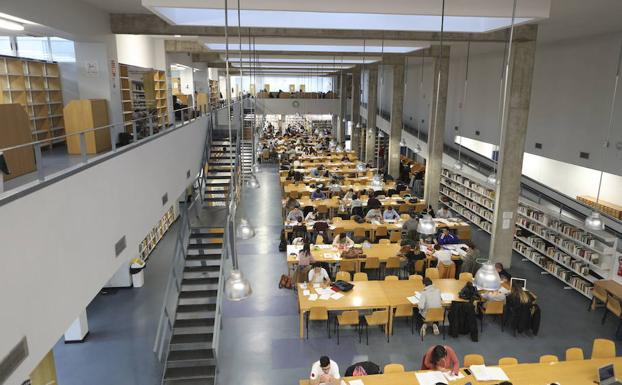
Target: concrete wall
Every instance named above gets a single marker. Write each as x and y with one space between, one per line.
141 51
58 243
305 106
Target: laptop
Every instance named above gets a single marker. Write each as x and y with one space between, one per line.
606 376
522 283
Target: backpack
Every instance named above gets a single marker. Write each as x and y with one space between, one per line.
285 282
283 243
359 371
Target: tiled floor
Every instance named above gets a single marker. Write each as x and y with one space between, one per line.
259 342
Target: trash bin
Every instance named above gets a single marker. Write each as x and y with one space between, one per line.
136 270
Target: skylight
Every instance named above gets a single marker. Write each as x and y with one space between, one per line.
313 48
325 20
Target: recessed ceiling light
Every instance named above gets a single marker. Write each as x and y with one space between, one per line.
177 35
10 25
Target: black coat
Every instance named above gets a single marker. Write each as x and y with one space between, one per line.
462 320
370 368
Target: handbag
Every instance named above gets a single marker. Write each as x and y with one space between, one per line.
352 253
285 282
342 286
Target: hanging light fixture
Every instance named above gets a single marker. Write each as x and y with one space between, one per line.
492 178
245 230
426 225
252 181
487 277
459 165
237 288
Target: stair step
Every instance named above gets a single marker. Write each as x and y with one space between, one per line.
195 311
201 269
205 283
201 381
179 339
204 373
181 356
208 295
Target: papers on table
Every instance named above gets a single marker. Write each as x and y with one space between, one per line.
303 285
293 249
332 255
313 297
488 373
430 378
450 377
336 296
447 297
323 246
306 292
415 298
316 286
356 382
325 297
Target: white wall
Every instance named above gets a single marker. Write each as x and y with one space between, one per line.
58 242
305 106
141 51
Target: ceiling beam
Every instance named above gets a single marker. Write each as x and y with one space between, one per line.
145 24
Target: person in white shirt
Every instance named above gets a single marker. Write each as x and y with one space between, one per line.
349 195
342 242
443 212
442 255
430 299
312 215
295 214
390 214
324 371
373 215
318 274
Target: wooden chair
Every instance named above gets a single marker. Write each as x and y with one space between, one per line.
318 313
391 278
347 265
473 359
376 318
319 240
343 276
348 318
395 237
432 273
435 315
359 234
384 242
360 277
381 232
305 194
420 266
294 194
393 368
405 217
393 265
287 182
336 231
548 358
405 311
322 211
404 208
373 263
613 306
466 277
574 354
599 296
415 277
446 271
493 308
508 361
603 348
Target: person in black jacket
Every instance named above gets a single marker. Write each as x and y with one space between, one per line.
365 366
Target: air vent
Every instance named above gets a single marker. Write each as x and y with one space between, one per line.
188 174
584 155
539 146
13 360
456 128
164 199
120 246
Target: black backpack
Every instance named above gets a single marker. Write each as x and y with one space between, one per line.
283 243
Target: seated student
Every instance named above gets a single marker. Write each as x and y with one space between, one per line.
428 210
469 260
318 274
334 187
318 194
312 215
446 238
324 371
349 195
373 202
291 203
390 214
373 215
342 242
410 226
443 212
441 357
299 230
314 172
430 299
413 253
294 214
442 255
503 274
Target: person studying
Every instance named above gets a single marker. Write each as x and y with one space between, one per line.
324 371
443 358
318 274
390 214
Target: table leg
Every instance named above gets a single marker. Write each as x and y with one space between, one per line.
390 328
302 324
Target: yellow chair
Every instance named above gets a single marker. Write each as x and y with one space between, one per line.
446 271
294 194
466 277
574 354
381 232
404 208
360 277
405 311
343 276
473 359
319 240
415 277
420 266
373 263
359 233
384 242
435 315
377 318
318 313
391 278
548 358
508 361
396 237
432 273
393 368
492 308
598 296
393 265
347 265
603 348
322 211
348 318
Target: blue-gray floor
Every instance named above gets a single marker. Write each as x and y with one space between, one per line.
259 342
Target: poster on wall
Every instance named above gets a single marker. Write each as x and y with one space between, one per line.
91 68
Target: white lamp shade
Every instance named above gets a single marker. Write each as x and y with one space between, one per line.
595 222
237 287
426 225
245 230
402 143
487 278
252 182
492 178
458 165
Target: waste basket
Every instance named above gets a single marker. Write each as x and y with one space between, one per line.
136 270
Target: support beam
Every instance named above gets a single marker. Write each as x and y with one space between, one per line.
372 101
343 98
397 112
513 134
438 109
356 111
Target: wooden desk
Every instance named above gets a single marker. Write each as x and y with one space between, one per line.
334 203
327 180
610 286
358 187
324 255
565 373
349 226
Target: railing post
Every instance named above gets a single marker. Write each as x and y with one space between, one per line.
134 132
83 147
182 117
1 182
150 123
113 142
39 162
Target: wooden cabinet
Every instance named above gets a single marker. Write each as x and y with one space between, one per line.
202 102
84 114
15 130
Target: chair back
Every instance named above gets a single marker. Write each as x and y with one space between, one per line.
294 194
466 277
372 263
349 317
603 348
404 310
391 278
379 317
359 232
393 368
574 354
346 265
415 277
395 237
403 209
343 276
432 273
384 242
419 265
381 231
473 359
319 240
435 314
360 277
322 209
494 307
393 263
613 305
508 361
548 358
318 313
446 271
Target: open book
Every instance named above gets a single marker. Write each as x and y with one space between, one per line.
488 373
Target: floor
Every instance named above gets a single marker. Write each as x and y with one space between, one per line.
259 341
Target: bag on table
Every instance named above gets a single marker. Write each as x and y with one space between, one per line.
352 253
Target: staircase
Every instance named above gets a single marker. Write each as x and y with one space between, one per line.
218 173
246 143
190 359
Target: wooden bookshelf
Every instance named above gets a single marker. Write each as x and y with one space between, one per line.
604 207
35 85
214 93
84 114
15 130
562 246
156 96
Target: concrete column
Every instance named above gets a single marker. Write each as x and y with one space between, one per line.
512 147
372 100
343 98
356 111
397 111
436 127
78 330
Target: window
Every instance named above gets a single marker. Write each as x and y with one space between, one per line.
5 46
33 47
62 50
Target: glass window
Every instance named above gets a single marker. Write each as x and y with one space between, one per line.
62 50
5 46
33 47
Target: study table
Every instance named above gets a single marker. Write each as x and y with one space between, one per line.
334 203
356 187
326 180
330 254
610 286
563 372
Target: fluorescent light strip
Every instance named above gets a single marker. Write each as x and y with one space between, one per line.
325 20
313 48
336 60
303 66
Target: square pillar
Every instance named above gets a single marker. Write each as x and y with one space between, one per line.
512 146
397 112
436 127
79 329
372 101
356 111
343 98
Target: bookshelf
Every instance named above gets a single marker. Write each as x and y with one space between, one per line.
604 207
35 85
214 93
155 235
562 246
15 130
156 97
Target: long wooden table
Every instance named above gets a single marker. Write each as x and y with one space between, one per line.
564 372
329 254
356 187
610 286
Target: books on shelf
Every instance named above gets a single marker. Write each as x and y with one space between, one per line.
155 235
